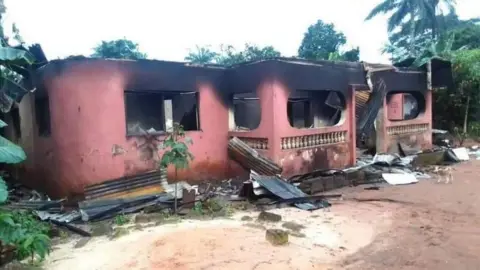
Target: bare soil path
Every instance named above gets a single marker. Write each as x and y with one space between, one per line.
421 226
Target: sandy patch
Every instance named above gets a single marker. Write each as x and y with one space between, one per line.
330 235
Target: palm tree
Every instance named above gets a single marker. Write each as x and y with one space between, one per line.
422 14
202 55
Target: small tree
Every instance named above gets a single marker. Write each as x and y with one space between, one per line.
177 153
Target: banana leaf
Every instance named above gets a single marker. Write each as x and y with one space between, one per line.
9 55
10 153
3 191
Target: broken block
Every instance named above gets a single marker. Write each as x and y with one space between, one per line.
270 217
276 237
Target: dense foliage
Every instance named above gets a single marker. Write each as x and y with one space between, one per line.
323 42
423 30
118 49
20 229
228 55
176 153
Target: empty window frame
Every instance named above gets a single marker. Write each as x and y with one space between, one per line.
183 110
42 116
155 112
315 109
246 112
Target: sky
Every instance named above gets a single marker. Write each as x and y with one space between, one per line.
167 30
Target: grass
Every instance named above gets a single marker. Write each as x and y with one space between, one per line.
212 208
121 220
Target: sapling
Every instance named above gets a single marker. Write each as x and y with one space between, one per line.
176 152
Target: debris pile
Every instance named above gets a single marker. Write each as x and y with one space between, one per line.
150 192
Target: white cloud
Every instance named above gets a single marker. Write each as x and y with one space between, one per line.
167 29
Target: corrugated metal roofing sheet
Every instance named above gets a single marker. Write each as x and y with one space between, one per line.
361 99
127 187
286 191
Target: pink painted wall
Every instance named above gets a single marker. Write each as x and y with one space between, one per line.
415 133
88 117
395 107
303 160
274 126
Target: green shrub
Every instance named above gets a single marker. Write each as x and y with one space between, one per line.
19 228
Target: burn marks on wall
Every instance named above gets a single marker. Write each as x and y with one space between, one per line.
155 112
315 109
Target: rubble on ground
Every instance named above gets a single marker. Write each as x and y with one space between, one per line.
276 237
150 197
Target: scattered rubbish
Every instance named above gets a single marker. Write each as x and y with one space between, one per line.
399 178
60 217
177 188
286 191
461 153
108 208
441 138
71 228
406 150
250 159
51 206
432 158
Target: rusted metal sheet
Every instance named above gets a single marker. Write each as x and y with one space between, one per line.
251 159
361 100
126 187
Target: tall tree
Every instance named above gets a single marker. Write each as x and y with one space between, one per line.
201 55
467 37
229 56
467 76
323 42
402 44
422 14
320 40
352 55
118 49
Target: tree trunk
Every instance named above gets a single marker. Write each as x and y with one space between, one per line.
175 204
465 120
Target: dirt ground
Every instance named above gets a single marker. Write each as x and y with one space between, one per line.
421 226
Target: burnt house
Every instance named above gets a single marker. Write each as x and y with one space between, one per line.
84 123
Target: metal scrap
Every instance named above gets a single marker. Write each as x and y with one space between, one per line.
106 208
125 187
250 159
64 217
287 191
